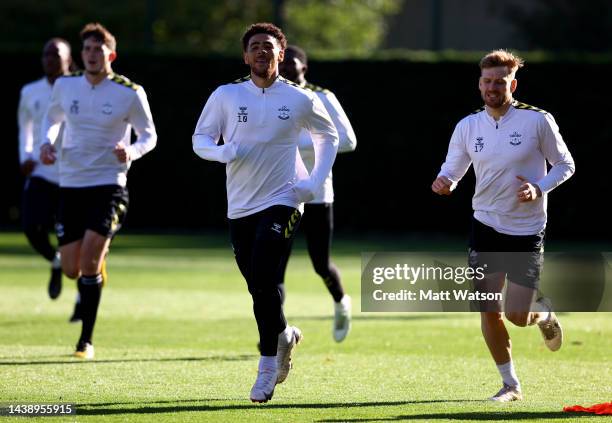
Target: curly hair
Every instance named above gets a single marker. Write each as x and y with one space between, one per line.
264 28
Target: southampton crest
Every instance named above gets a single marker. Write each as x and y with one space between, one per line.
284 113
515 138
107 108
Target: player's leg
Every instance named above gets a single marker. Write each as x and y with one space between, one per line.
70 229
523 307
93 249
38 216
485 245
71 258
318 229
491 318
40 199
242 234
497 338
519 299
105 211
282 270
276 227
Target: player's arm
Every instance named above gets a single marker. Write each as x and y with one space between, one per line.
556 152
455 166
51 125
347 141
141 119
325 143
26 138
208 132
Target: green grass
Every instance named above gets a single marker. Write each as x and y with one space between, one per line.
176 341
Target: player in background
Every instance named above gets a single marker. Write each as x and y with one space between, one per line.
260 118
508 143
98 108
41 190
318 220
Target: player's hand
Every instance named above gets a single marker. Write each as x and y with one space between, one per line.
122 153
304 190
442 186
27 167
527 191
47 154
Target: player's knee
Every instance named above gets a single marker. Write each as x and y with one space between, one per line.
491 318
265 293
518 318
325 268
30 229
33 231
71 271
322 270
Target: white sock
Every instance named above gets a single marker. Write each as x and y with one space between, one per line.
285 336
57 261
508 374
78 298
542 310
267 362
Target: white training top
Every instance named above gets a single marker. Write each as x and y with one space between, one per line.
97 118
33 103
260 129
519 143
347 141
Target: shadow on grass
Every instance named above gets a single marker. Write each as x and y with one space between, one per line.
473 416
95 411
242 357
384 316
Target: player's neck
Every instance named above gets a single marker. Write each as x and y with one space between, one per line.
264 82
96 78
52 78
497 113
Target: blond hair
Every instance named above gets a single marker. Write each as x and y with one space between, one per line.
502 58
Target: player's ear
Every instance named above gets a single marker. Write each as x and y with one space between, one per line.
513 85
112 56
281 56
244 56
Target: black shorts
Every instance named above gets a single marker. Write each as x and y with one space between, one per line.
521 257
40 203
261 241
101 209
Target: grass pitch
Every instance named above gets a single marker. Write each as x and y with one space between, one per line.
176 341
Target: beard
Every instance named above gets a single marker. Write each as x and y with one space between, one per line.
495 103
265 72
93 72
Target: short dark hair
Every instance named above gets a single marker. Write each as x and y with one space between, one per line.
58 40
264 28
298 53
98 32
